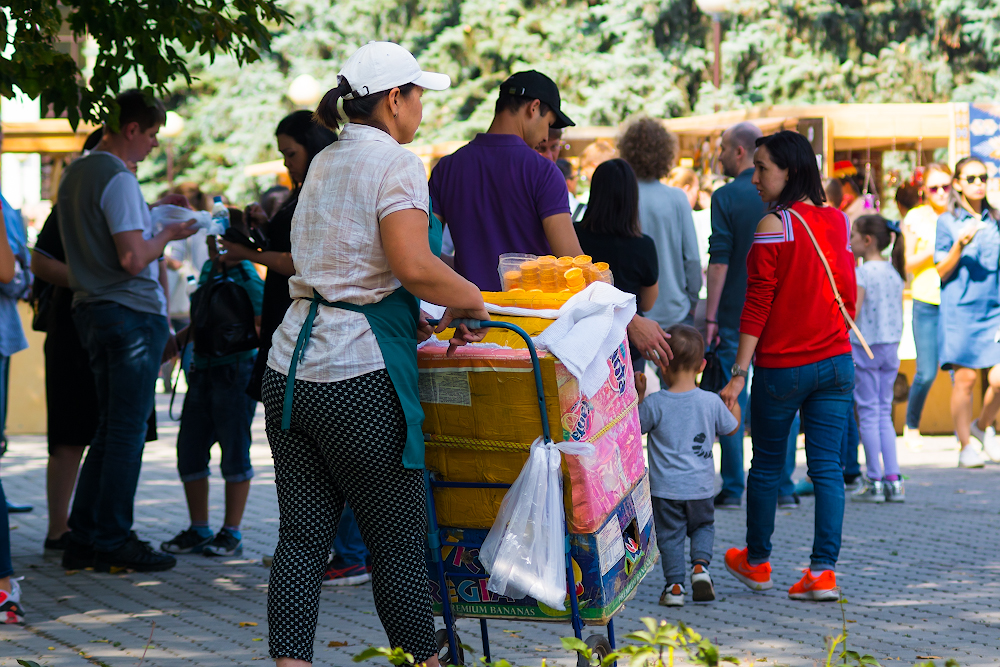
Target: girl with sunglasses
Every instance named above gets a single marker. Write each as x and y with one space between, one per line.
967 252
920 232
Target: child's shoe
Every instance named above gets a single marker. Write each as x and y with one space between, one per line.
190 541
872 491
820 589
702 589
756 577
894 491
227 543
672 596
11 611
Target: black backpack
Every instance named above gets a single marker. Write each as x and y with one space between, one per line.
222 317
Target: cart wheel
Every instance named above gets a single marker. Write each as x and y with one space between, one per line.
601 647
444 651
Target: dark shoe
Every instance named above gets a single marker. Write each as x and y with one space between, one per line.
788 502
133 555
77 556
14 508
225 545
56 547
188 541
339 573
724 502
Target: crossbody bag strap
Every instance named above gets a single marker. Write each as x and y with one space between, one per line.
833 284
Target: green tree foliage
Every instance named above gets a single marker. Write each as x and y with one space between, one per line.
611 59
150 40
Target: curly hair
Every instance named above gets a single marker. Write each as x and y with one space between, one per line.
648 147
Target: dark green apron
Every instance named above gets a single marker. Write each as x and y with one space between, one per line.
394 322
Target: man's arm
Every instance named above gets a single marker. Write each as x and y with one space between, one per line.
561 235
690 256
50 270
136 253
720 249
716 280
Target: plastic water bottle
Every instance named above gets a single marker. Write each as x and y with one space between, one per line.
220 218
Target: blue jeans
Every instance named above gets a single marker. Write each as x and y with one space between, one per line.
217 409
925 338
348 544
852 438
731 464
6 567
125 347
822 391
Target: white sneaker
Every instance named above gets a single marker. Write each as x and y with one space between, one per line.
702 589
970 458
911 436
672 596
988 440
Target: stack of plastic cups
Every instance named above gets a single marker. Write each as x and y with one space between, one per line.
511 280
602 272
547 273
575 281
529 276
563 264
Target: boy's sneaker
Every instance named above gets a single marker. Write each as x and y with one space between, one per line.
788 502
988 439
820 589
672 596
872 491
702 589
756 577
225 544
190 541
970 458
338 573
724 502
11 612
894 491
77 556
55 548
133 555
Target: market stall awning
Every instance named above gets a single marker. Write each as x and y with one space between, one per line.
48 135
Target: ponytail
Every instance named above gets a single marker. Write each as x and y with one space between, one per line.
360 108
326 113
885 232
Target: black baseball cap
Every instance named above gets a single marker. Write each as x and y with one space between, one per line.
536 86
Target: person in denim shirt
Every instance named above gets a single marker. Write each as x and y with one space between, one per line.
218 409
967 257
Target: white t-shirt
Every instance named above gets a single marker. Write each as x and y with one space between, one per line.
881 316
352 185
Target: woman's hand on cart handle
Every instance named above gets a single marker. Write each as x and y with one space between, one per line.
463 333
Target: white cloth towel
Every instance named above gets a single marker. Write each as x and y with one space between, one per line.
590 326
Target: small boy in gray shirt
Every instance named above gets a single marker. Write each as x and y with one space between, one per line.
682 422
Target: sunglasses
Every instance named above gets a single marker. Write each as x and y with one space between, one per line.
939 188
974 178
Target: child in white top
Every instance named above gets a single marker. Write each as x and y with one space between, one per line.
880 320
682 422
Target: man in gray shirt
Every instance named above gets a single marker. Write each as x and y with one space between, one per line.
119 308
665 216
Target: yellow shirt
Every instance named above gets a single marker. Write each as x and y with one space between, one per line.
922 223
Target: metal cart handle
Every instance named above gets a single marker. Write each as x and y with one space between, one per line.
485 324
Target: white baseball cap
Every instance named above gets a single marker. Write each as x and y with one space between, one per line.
380 66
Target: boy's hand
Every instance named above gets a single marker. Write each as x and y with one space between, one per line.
640 386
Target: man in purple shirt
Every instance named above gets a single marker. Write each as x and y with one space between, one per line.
497 194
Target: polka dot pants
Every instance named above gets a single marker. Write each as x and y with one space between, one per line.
346 442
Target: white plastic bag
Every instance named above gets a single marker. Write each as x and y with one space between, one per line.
525 551
167 214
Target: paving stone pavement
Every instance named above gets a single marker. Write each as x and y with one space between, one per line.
921 579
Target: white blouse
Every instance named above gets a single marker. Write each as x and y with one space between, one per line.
352 185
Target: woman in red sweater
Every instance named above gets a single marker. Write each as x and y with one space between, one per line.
794 332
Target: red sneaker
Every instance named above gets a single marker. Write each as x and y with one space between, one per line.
821 589
756 577
340 574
